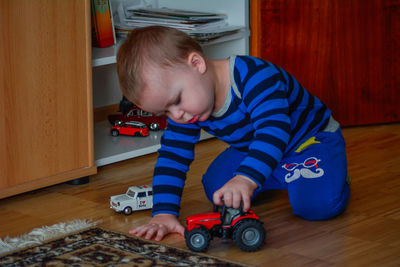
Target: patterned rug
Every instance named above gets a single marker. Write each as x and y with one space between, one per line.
100 247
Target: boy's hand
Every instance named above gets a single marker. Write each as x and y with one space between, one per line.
236 191
158 227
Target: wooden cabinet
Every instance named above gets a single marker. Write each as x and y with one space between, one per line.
46 128
345 52
47 134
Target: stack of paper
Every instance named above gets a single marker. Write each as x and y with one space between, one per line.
180 19
203 26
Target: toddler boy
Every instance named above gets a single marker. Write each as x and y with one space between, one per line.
280 136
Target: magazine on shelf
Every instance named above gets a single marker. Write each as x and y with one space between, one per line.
180 19
203 26
176 14
206 36
137 23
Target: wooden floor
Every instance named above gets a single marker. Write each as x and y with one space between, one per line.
367 234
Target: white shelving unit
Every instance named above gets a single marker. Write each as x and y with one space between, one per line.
109 149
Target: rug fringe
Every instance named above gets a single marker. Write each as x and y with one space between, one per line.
38 235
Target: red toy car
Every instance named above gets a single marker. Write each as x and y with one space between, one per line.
134 128
245 228
154 122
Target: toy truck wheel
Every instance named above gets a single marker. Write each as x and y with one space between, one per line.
198 239
249 235
154 126
114 133
128 211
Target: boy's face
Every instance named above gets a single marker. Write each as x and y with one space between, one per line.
185 92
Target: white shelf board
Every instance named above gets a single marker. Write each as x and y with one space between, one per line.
107 55
109 149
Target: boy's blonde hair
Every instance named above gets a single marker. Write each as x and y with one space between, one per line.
155 45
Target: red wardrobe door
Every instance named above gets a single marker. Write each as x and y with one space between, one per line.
345 52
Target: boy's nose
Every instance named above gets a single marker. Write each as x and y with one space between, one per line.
176 113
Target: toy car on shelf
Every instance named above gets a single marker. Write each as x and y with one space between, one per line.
136 198
245 228
133 128
152 121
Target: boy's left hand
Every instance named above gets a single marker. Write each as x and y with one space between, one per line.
237 190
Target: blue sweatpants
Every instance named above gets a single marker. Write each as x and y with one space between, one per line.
315 175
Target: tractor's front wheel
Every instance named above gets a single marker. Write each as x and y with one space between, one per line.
198 239
249 235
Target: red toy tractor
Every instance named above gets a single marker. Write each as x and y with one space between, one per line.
245 228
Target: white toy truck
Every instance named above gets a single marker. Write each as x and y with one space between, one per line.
136 198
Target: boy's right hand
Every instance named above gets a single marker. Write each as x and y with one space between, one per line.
158 227
235 192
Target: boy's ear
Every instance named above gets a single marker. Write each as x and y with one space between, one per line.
197 61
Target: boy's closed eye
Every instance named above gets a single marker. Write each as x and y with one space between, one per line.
177 100
174 102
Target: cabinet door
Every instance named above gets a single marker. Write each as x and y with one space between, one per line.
345 52
46 134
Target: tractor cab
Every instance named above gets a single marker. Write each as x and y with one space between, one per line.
229 214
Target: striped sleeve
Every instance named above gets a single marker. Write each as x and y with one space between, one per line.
174 157
264 97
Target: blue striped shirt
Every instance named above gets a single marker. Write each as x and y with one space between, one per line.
267 113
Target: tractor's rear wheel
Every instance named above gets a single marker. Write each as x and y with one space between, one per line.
198 239
249 235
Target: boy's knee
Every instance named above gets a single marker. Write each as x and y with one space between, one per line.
323 208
